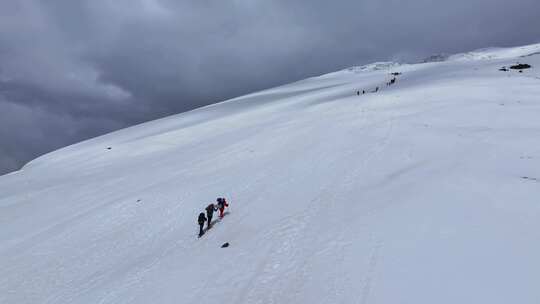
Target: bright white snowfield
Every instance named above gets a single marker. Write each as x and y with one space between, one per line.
427 191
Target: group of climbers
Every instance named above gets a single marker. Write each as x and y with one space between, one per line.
391 82
221 205
364 91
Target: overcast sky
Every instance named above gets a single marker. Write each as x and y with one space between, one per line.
75 69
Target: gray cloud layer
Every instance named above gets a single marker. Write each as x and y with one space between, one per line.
70 70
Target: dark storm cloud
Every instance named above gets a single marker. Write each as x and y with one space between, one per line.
70 70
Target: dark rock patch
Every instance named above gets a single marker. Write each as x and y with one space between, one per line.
520 66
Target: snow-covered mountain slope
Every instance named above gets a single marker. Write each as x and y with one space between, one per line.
427 191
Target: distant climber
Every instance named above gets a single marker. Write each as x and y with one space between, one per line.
221 204
210 213
376 89
363 92
202 219
358 93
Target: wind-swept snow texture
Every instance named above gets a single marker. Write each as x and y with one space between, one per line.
427 191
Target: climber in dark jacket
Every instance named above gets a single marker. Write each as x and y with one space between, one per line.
202 219
210 213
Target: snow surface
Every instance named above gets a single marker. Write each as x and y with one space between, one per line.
425 192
